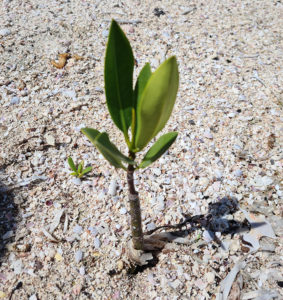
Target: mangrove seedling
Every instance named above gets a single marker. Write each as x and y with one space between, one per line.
78 171
140 112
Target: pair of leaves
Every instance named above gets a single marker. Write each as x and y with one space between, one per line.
147 108
78 171
106 148
115 157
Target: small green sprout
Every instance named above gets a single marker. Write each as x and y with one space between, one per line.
79 171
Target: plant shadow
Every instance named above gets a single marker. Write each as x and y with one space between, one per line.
214 221
8 216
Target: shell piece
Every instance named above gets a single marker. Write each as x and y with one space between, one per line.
226 284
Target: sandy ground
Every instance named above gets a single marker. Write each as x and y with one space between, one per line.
64 239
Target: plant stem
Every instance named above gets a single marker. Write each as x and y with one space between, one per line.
135 210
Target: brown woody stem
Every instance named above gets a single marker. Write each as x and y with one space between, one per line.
135 210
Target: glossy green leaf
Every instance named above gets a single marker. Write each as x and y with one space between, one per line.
86 170
156 103
160 147
118 77
106 148
71 164
142 80
74 173
80 167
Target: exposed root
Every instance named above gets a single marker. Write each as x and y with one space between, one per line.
138 257
153 243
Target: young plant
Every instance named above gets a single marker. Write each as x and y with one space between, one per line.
140 112
79 171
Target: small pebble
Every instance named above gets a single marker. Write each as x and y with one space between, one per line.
231 115
234 246
15 100
78 128
150 226
123 210
103 228
93 230
218 174
50 140
174 284
76 181
82 270
32 297
238 173
70 94
208 135
160 203
78 256
150 279
156 171
112 191
17 266
5 31
262 182
58 257
78 229
210 277
97 243
51 253
99 89
105 33
24 93
120 265
200 284
204 182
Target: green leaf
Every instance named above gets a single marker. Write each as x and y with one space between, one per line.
74 174
160 147
156 103
106 148
86 170
71 164
118 77
80 167
142 80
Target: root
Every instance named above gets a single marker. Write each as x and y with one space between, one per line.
152 244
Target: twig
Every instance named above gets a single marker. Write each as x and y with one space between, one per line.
269 88
33 180
258 79
25 140
190 10
249 56
17 287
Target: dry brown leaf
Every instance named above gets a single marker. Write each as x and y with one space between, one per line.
63 57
